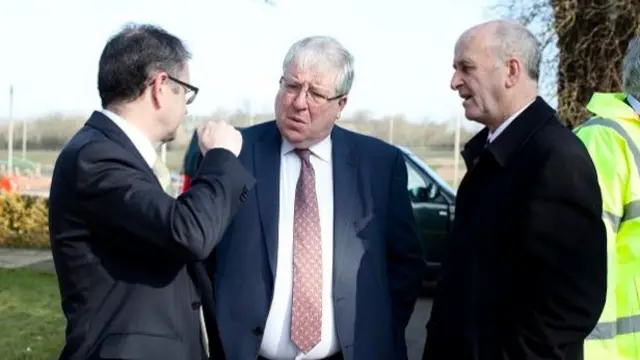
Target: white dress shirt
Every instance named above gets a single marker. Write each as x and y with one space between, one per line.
276 341
139 140
494 134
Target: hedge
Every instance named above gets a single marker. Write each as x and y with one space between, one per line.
24 221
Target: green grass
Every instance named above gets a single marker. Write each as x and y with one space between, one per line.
32 325
175 158
48 157
39 156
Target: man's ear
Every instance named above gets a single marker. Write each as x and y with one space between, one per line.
514 72
157 90
342 103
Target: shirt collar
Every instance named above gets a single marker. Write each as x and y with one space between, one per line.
494 134
139 140
321 150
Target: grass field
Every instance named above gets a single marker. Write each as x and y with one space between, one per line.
441 162
32 322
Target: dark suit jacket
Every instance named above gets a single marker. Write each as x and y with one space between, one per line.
377 255
125 252
525 273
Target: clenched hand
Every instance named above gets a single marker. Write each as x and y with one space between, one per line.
219 134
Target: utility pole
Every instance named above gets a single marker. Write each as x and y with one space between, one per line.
456 152
391 123
24 137
246 105
10 134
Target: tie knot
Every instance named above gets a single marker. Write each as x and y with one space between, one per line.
303 154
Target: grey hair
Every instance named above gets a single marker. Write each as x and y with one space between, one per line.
515 40
323 53
631 69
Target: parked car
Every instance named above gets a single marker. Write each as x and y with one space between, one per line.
432 199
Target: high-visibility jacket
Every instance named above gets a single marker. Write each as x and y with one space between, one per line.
612 138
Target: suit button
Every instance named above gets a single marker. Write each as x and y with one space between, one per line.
195 305
258 330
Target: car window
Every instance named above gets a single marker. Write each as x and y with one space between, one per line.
418 183
414 180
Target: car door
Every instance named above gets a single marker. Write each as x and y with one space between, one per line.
432 213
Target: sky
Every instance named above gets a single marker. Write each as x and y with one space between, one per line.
403 50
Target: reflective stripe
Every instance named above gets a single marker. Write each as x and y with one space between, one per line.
631 211
614 219
609 330
620 130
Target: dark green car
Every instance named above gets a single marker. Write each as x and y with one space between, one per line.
432 198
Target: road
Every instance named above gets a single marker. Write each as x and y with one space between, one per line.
40 193
415 333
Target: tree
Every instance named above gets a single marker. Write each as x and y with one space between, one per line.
590 38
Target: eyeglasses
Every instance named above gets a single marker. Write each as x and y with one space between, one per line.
189 90
313 97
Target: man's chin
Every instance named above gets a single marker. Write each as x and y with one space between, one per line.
472 115
294 135
169 138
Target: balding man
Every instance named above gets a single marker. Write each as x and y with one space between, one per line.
525 273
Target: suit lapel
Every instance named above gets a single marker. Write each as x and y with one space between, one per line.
266 154
345 203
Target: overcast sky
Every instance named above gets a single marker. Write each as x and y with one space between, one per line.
403 50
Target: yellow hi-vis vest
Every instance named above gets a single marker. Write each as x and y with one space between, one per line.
612 138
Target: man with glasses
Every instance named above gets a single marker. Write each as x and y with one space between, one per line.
323 260
127 254
190 90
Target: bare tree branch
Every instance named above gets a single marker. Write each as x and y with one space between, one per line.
583 42
537 16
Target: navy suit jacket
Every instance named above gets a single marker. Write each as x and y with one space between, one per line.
377 255
127 254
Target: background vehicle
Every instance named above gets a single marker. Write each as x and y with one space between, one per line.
432 199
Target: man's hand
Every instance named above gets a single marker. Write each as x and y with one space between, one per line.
219 134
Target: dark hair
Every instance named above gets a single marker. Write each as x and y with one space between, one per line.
131 56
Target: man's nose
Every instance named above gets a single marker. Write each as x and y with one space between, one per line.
456 81
300 102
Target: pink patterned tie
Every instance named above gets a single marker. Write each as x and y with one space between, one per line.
306 312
